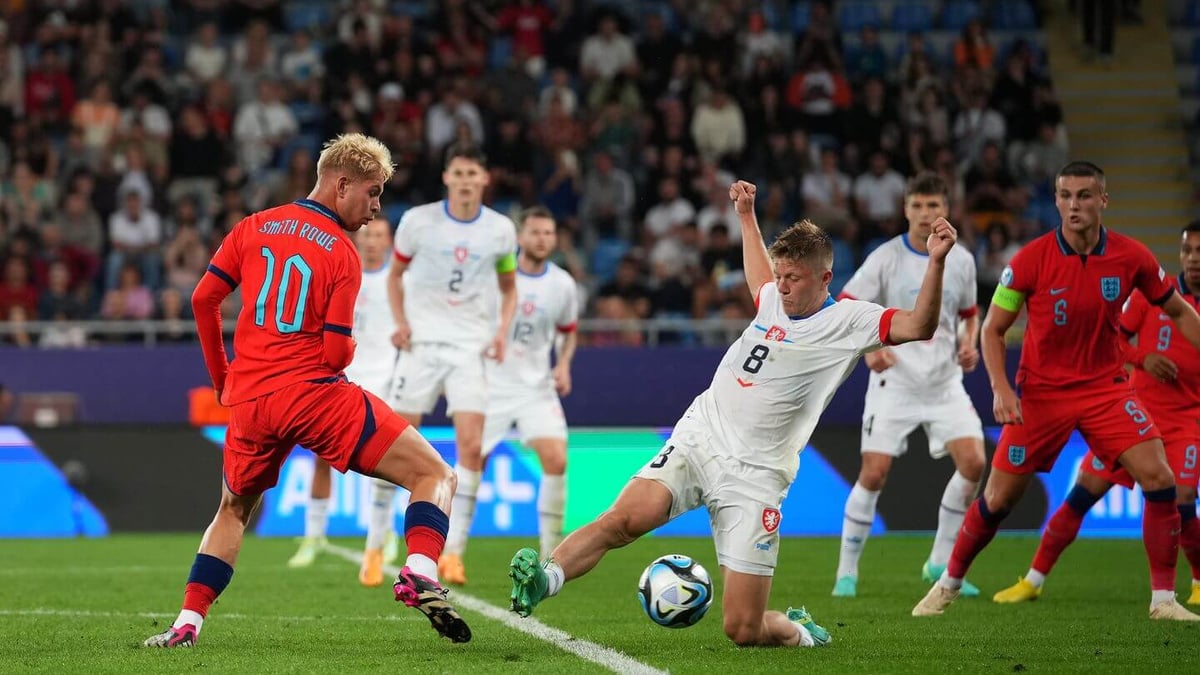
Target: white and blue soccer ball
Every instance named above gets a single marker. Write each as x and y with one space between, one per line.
675 591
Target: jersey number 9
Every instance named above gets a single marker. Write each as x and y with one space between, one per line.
294 263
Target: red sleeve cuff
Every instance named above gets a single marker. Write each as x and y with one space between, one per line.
845 296
758 293
885 326
569 328
401 257
968 312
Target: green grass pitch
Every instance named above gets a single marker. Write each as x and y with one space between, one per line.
86 605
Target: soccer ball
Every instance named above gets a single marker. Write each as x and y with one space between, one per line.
675 591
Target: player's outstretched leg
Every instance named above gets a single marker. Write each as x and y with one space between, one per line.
316 516
412 463
1059 533
211 571
642 506
379 529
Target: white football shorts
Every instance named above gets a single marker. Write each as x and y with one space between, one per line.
537 413
743 501
429 370
374 375
890 415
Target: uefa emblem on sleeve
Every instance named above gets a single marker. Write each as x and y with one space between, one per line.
1016 455
1006 277
771 519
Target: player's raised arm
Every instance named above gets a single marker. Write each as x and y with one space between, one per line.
921 322
755 260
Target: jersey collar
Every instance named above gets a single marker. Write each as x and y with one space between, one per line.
1101 244
829 302
908 245
446 208
1183 288
313 205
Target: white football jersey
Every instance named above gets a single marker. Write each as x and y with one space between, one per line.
775 381
374 354
547 304
450 283
892 276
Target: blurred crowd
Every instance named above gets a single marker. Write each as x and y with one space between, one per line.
133 135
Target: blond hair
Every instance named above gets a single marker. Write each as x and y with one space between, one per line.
804 242
356 155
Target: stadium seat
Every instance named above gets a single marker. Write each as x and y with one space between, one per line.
1012 15
912 17
800 17
605 258
306 16
852 16
499 52
957 14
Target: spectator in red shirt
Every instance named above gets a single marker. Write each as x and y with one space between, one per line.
17 289
49 91
527 22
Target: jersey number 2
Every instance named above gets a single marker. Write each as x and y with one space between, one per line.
293 263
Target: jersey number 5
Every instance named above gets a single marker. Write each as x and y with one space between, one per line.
294 263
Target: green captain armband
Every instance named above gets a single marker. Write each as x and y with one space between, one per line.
1007 298
507 264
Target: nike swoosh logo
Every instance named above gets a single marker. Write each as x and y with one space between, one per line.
1142 432
1057 291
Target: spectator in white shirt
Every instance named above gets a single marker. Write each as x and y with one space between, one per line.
443 118
671 210
607 52
718 128
134 234
206 57
302 60
719 211
826 190
262 127
975 126
879 193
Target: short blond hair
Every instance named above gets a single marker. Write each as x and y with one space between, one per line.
356 155
804 242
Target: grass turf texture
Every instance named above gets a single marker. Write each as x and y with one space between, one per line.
85 605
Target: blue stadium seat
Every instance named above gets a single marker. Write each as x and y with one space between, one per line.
912 17
800 17
499 52
306 16
415 8
958 14
605 258
852 16
1012 15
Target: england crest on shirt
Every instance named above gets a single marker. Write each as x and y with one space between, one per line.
1110 288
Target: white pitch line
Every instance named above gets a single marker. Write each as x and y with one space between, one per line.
589 651
92 614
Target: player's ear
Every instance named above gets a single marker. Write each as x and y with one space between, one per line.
343 184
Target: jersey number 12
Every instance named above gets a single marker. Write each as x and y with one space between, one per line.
294 263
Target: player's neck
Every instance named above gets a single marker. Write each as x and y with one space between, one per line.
916 243
463 211
530 267
373 265
1082 242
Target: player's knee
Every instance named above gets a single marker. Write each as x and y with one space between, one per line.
873 478
1185 495
237 508
554 463
742 632
1157 478
971 466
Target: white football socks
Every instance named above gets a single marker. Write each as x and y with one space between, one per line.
316 518
955 501
555 577
382 513
1035 578
462 510
856 527
187 616
551 502
422 564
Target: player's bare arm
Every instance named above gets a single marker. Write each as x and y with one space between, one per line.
562 369
1006 407
395 293
921 322
755 260
508 307
968 353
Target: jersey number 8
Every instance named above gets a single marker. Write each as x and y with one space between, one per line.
293 263
754 362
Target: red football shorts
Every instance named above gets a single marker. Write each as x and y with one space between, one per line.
1111 420
338 421
1180 440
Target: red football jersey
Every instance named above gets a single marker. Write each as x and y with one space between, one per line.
299 274
1156 333
1074 304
